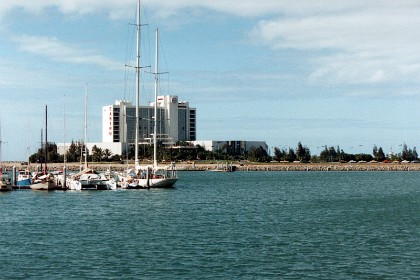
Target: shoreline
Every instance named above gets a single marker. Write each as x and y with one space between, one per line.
334 166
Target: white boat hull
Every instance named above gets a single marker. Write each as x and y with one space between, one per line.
73 185
148 178
94 184
158 182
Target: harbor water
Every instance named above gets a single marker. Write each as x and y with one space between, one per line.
239 225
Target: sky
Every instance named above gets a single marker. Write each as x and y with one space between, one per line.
324 72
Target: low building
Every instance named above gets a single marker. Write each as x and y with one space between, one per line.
231 147
116 148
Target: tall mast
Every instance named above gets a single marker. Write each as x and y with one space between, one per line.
42 146
136 144
64 183
1 171
85 130
46 140
156 93
64 115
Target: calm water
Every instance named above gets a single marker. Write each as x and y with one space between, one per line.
243 225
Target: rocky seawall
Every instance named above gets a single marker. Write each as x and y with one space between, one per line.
307 167
236 166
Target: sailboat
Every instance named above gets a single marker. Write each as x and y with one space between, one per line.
46 180
5 183
87 178
158 176
130 178
147 176
61 176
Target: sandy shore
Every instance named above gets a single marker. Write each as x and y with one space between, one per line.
240 167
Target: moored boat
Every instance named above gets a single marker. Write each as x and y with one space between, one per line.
148 176
43 180
43 183
158 176
89 179
24 178
5 182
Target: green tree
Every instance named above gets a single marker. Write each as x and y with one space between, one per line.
380 155
74 152
363 157
291 155
96 154
303 153
279 155
408 153
405 154
315 159
258 155
324 156
375 152
201 152
339 155
329 154
106 154
300 151
52 154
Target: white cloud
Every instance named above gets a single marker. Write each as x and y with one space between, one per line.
355 41
247 8
168 8
53 49
375 44
163 8
115 8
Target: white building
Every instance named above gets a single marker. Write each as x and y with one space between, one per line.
176 121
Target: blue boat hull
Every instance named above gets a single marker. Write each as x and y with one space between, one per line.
24 182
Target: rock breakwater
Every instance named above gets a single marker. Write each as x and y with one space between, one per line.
74 167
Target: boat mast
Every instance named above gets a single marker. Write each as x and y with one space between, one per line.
156 93
1 142
42 147
85 130
136 144
46 140
64 116
64 183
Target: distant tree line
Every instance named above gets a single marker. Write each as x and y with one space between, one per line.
302 154
335 154
185 151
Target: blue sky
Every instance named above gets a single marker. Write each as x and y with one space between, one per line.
321 72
